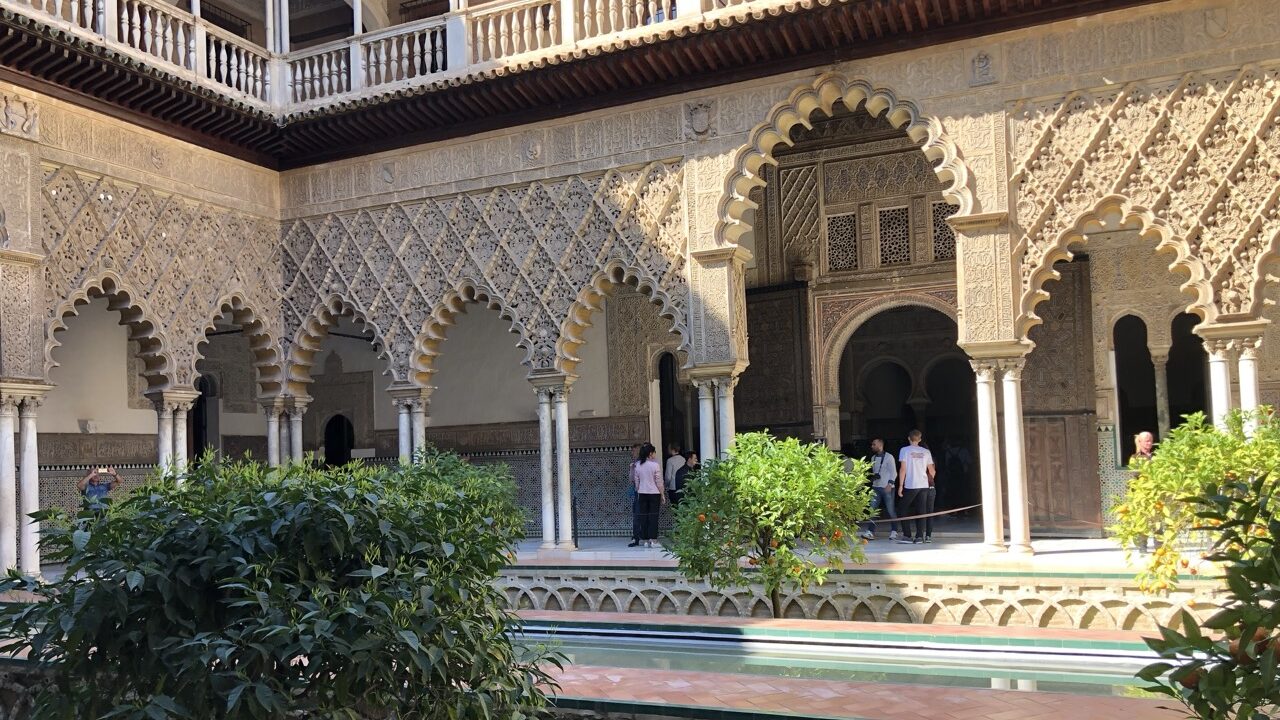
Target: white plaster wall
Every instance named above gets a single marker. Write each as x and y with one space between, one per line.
241 423
480 377
91 378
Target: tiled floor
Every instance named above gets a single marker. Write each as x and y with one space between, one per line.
865 701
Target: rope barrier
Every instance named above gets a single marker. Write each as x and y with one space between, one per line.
926 515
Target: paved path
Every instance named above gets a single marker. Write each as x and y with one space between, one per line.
864 701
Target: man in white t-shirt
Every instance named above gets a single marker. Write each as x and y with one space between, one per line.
915 477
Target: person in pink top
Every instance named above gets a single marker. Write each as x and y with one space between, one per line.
647 476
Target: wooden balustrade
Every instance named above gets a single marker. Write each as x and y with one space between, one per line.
404 52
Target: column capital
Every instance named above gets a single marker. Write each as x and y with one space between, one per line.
173 400
273 406
1247 347
1220 347
24 393
1011 368
984 368
553 382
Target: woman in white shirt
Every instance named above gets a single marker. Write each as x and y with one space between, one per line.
647 476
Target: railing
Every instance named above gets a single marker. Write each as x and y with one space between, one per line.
157 33
515 29
320 72
237 63
407 51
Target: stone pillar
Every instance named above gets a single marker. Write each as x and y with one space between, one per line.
1247 365
1161 362
1219 379
180 410
831 431
989 455
562 467
286 447
404 429
164 434
546 458
8 484
272 409
1015 459
418 417
724 408
706 419
295 429
29 485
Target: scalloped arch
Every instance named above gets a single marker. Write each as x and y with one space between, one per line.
135 314
857 317
821 96
264 346
1111 213
590 300
426 347
311 334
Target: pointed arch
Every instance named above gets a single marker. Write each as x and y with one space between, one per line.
821 96
315 328
135 314
1109 214
426 347
267 358
591 300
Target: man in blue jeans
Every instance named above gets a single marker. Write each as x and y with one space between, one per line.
884 474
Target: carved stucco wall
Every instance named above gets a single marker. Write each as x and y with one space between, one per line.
532 250
636 335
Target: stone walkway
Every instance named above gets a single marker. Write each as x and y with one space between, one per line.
853 700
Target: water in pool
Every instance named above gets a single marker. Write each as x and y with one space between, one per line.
915 666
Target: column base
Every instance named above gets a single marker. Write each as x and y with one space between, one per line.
567 546
995 548
1021 549
547 546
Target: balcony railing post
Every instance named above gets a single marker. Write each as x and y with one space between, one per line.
198 58
457 36
688 9
569 21
109 20
279 98
356 64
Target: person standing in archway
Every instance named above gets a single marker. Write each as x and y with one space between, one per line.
884 478
649 490
915 476
675 461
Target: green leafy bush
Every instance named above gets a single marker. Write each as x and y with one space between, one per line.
248 593
1160 502
1225 668
785 509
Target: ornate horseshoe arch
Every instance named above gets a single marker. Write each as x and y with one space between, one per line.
433 333
315 327
262 343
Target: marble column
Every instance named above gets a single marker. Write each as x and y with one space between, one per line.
706 419
404 429
8 484
1161 363
724 410
831 430
1247 366
286 447
273 433
295 429
164 434
547 464
1015 458
29 484
562 467
418 422
1219 379
180 410
989 455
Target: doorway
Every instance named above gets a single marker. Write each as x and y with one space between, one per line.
339 439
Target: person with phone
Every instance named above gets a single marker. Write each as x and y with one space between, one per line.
98 483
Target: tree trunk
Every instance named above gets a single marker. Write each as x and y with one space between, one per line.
775 598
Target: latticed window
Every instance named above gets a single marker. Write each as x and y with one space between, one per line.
895 236
944 236
842 242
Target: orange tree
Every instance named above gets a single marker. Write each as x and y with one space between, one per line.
779 512
1196 460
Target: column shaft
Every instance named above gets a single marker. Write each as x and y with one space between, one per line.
180 436
273 436
29 483
404 431
295 431
418 417
164 435
286 447
8 486
1015 459
706 420
724 408
989 457
562 467
547 463
1161 363
1219 380
1247 366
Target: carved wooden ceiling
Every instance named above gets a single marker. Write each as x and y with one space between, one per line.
808 34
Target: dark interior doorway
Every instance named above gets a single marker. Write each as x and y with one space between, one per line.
1135 381
203 432
339 439
1187 366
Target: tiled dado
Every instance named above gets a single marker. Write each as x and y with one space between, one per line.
1070 600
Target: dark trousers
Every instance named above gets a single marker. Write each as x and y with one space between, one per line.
649 505
635 517
930 497
674 496
912 503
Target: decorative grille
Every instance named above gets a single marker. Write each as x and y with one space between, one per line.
842 242
895 236
944 237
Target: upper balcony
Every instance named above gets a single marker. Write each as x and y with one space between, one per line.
242 77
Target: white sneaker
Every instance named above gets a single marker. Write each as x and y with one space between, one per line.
893 534
867 535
